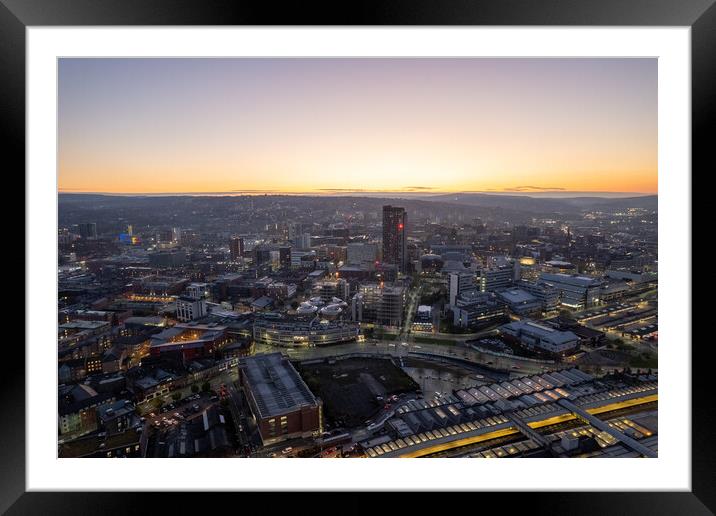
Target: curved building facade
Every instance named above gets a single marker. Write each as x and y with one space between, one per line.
301 331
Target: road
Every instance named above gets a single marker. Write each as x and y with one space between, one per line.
246 431
413 299
404 348
183 408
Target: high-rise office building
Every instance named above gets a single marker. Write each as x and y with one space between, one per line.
459 282
87 230
236 246
165 236
284 253
495 279
304 241
394 237
262 254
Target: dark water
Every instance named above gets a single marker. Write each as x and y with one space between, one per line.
441 378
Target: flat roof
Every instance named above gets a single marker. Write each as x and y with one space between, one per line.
535 328
275 384
571 279
517 295
84 325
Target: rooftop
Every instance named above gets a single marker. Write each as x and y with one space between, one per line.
275 384
516 296
534 328
571 279
83 325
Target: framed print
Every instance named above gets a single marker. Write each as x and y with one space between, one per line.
419 237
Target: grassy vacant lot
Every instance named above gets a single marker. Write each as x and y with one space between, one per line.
645 359
349 387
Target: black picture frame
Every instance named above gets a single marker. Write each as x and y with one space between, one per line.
699 15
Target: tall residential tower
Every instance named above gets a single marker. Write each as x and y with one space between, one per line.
394 237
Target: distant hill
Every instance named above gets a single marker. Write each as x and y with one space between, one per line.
547 204
477 203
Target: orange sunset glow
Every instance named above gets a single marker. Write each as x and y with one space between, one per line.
328 125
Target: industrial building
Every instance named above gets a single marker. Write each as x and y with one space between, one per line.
280 400
539 337
516 409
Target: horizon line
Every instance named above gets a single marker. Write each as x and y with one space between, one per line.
358 192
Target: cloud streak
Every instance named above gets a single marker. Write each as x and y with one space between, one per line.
533 189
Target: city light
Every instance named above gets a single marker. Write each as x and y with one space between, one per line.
344 259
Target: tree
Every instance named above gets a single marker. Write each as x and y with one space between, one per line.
567 315
206 386
176 396
195 388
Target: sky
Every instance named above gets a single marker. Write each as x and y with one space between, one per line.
337 125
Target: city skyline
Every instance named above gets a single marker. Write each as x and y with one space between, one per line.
365 257
367 125
333 327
